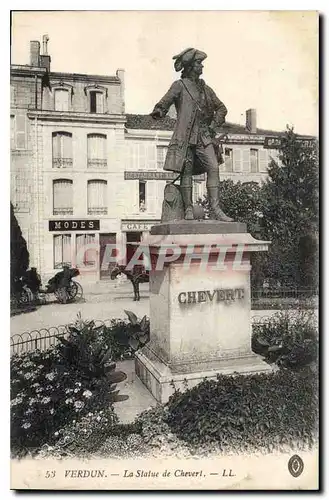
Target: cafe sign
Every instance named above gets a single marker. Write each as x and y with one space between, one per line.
74 225
135 225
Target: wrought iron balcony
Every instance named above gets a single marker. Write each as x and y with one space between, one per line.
97 211
62 162
97 163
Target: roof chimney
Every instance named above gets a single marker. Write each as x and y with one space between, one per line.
121 76
45 58
251 122
45 40
34 53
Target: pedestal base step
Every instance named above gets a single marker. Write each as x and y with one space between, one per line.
162 382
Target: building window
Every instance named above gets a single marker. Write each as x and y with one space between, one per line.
161 156
96 145
96 100
62 150
62 250
12 132
228 159
254 160
97 197
18 131
142 196
63 197
61 100
85 250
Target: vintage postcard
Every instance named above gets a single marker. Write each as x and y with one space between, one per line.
164 250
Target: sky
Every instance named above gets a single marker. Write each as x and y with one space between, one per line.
266 60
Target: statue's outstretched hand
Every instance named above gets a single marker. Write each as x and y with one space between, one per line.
156 114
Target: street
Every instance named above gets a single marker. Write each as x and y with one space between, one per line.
101 301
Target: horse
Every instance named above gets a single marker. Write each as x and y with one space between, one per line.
137 275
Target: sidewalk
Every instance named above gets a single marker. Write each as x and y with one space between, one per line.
99 303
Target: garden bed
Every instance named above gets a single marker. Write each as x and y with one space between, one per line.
65 401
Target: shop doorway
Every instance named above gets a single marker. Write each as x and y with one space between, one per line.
132 237
106 239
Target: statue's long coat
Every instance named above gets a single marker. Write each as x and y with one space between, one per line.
185 97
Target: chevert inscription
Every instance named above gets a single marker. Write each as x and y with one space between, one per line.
228 294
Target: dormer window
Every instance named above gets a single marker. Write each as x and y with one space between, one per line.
96 102
63 93
61 100
96 98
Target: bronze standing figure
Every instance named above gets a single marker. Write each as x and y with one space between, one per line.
200 114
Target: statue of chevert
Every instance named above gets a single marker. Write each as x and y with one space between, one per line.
200 114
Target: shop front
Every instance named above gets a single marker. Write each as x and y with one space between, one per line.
80 243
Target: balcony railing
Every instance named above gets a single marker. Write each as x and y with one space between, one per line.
97 211
97 163
63 211
62 162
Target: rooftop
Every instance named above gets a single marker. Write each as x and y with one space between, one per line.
146 122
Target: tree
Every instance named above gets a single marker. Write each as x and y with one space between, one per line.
241 201
290 212
244 203
19 255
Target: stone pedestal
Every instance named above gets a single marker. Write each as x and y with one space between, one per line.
199 308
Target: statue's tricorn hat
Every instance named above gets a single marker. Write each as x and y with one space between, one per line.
187 57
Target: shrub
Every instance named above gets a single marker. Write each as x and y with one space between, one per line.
126 337
289 340
247 412
85 351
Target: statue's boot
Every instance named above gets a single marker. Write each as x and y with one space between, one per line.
215 211
187 200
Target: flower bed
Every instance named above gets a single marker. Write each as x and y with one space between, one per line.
62 399
46 397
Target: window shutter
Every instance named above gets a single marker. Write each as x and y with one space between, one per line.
67 248
142 164
97 196
66 146
62 250
57 250
63 196
56 146
87 256
237 159
99 102
96 150
151 156
160 186
245 160
12 132
20 129
263 160
151 196
161 156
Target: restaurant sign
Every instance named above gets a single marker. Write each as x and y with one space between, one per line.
73 225
155 176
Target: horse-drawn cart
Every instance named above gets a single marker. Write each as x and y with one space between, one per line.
29 291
